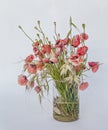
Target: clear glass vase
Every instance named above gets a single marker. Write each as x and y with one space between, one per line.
66 103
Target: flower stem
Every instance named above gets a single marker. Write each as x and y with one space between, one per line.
25 33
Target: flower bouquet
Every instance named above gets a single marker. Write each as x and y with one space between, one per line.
63 62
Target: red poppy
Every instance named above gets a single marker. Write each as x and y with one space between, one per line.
32 68
22 80
53 60
83 86
94 66
65 41
29 58
84 36
76 41
45 60
36 51
46 48
60 44
82 50
76 59
58 51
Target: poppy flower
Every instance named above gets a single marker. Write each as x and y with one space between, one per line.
76 41
58 51
60 44
65 41
45 60
84 36
82 50
36 51
53 60
32 68
83 86
22 80
29 58
75 59
94 66
46 48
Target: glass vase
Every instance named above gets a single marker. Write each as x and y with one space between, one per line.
66 103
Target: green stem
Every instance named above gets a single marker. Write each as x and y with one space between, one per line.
25 33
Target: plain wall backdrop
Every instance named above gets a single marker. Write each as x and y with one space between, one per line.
20 110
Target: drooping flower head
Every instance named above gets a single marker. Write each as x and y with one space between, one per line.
22 80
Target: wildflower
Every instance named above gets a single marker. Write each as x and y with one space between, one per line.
45 60
82 50
32 68
84 36
22 80
83 86
76 41
46 48
75 59
53 60
29 58
94 66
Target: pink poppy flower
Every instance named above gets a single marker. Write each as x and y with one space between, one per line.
76 41
46 48
45 60
60 44
58 51
65 41
83 86
32 68
36 51
75 59
94 66
22 80
37 89
53 60
29 58
82 50
84 36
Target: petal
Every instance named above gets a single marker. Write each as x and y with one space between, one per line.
95 68
83 86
